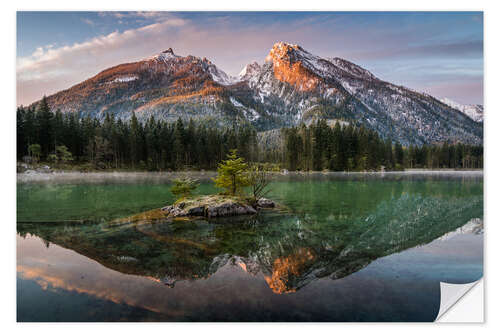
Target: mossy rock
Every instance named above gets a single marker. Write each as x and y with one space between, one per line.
206 206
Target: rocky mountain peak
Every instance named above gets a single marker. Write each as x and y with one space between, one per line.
293 86
249 71
293 65
166 55
284 51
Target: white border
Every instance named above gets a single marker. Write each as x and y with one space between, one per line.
7 132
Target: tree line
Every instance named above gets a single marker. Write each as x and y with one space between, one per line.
43 135
110 143
350 148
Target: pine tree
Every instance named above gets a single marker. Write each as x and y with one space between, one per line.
179 144
183 187
232 174
135 140
45 128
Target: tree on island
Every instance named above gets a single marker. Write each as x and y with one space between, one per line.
183 187
232 174
259 179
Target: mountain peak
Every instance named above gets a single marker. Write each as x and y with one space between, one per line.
286 46
249 70
291 87
165 55
294 65
282 50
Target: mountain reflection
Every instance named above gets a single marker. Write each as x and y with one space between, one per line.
289 251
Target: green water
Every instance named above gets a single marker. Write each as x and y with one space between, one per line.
316 194
347 232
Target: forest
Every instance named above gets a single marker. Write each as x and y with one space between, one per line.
66 140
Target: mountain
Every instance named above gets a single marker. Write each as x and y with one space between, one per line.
288 251
292 86
474 111
297 86
166 85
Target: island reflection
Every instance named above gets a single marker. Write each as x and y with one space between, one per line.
287 251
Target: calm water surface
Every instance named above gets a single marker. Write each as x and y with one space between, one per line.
350 248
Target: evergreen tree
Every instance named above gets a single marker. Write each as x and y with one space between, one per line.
232 174
45 127
183 187
135 141
159 145
179 148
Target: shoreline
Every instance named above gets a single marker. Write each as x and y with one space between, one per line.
167 177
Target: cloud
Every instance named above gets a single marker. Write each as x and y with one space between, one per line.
88 21
72 63
140 15
48 70
233 40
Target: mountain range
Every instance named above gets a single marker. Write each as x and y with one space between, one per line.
474 111
290 87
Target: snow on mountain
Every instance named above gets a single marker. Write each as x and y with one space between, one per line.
292 86
352 68
474 111
164 56
165 85
220 76
297 86
249 71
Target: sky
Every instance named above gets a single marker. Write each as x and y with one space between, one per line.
439 53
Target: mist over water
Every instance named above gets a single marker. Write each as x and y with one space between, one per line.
166 177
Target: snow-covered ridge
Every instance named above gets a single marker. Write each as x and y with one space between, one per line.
164 56
352 68
220 76
216 73
475 112
291 52
249 70
324 67
290 87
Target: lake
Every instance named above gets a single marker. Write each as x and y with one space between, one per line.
350 247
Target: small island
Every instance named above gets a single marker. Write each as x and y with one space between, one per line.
217 206
234 175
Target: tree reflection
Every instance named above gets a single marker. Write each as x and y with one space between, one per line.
289 250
